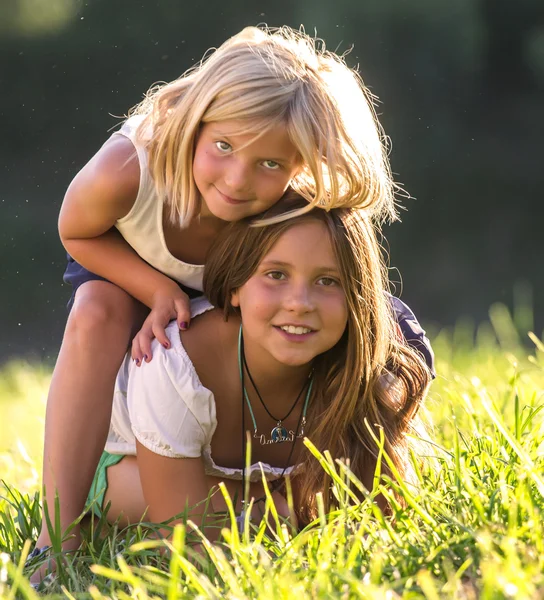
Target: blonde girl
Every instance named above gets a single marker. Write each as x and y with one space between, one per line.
267 111
302 339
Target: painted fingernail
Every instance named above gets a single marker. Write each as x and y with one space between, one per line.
137 361
166 345
183 325
145 356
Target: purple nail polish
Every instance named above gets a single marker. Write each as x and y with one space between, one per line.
145 356
184 325
166 345
137 361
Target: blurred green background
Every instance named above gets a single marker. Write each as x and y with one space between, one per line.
461 88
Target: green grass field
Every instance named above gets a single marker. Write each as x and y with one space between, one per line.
473 530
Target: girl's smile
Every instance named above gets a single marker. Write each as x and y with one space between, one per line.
239 176
294 307
296 333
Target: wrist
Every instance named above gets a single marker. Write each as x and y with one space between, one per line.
165 289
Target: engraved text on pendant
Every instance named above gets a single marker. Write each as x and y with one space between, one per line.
279 435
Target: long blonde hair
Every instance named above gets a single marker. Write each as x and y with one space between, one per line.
267 77
370 379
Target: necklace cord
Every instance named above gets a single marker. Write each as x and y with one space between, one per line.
261 398
274 485
243 447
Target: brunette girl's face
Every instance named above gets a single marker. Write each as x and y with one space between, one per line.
294 307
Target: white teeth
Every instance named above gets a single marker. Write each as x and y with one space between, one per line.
296 330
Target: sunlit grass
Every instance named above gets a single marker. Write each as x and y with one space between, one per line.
23 393
472 530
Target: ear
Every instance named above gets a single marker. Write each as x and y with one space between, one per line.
235 299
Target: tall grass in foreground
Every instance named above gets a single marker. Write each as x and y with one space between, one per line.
474 528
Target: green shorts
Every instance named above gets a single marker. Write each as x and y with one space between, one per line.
95 499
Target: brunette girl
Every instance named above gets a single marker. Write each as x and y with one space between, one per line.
302 342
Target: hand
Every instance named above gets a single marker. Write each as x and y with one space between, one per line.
282 508
166 307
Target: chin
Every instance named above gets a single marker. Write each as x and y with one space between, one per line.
295 361
225 215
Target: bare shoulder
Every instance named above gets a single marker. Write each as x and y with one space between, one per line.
103 191
209 331
210 339
114 171
117 159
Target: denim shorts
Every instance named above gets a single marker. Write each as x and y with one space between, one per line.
77 275
412 331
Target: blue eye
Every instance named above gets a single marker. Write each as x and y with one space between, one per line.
223 146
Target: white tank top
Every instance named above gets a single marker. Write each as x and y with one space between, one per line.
142 226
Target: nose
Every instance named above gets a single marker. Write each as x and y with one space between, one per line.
299 298
237 176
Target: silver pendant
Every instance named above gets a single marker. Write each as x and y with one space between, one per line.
279 434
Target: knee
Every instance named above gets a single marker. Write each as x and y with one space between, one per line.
101 316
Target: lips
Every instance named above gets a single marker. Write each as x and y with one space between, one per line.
229 199
295 333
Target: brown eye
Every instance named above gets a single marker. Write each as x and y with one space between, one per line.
328 281
276 275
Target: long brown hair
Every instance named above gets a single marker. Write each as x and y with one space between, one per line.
370 379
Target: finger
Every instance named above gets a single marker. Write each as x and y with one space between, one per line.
160 334
183 313
146 336
136 352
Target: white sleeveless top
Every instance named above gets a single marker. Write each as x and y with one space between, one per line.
164 406
142 226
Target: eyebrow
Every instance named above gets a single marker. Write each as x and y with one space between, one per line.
280 263
284 159
219 133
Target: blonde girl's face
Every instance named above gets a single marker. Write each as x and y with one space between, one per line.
239 176
294 307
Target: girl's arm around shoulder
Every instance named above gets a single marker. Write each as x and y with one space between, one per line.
101 193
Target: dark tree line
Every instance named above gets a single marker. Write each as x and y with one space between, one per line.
461 86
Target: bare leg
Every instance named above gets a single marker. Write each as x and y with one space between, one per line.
79 405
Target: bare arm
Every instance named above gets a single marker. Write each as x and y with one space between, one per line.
172 485
100 194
